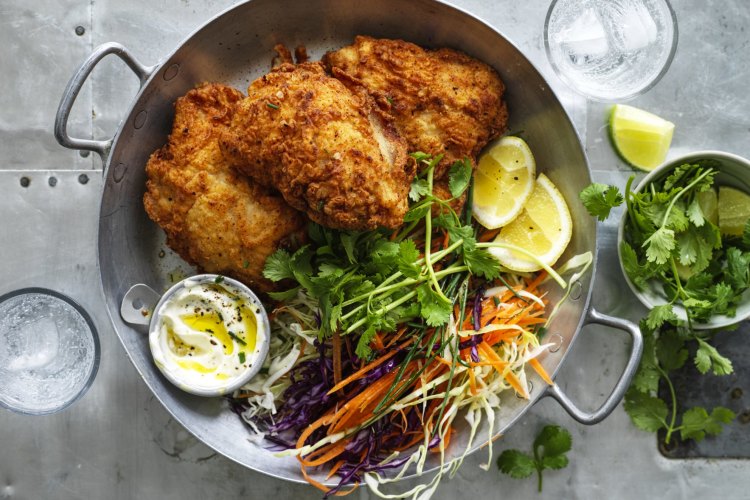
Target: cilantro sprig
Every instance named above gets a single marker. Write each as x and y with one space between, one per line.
550 447
668 239
370 282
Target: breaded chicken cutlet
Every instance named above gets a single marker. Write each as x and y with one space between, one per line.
441 101
324 146
214 217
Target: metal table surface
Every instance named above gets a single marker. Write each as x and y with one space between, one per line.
118 442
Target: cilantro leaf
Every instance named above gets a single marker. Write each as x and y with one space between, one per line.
278 266
638 274
554 440
434 309
659 315
708 358
481 263
419 188
746 234
671 351
659 245
737 273
646 379
550 447
695 213
459 177
408 255
647 412
516 464
696 422
417 212
600 199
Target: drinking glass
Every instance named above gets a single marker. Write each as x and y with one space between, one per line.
610 50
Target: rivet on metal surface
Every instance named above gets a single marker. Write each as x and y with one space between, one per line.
83 179
171 72
140 119
25 181
556 340
80 30
84 153
52 181
119 172
530 385
575 290
744 417
736 393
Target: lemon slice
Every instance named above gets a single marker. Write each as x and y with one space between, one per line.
641 138
734 210
709 205
543 228
503 181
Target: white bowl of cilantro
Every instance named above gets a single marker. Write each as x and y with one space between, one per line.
673 253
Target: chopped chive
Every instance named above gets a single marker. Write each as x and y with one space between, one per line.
495 301
218 279
272 105
245 264
235 337
242 356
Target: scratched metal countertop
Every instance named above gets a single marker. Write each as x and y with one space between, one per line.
117 442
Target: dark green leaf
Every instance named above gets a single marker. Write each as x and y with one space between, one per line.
670 350
554 440
285 295
646 379
638 274
555 462
417 212
647 412
516 464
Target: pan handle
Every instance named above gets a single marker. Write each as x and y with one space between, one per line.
74 87
618 392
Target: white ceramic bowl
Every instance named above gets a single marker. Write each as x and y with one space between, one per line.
733 171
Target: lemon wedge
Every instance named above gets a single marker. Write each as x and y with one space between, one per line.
503 181
734 210
641 138
542 229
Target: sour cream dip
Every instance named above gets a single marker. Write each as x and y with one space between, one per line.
209 335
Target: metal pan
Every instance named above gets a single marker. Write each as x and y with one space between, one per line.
236 47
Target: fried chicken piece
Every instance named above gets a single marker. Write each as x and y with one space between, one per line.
324 146
214 217
442 101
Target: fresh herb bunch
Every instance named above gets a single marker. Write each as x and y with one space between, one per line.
666 350
550 447
369 282
668 238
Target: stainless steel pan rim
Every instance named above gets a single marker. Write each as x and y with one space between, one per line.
128 242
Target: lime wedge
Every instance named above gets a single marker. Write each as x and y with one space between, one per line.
641 138
734 210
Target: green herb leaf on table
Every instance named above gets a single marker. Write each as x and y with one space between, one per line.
697 422
647 412
600 199
708 358
549 452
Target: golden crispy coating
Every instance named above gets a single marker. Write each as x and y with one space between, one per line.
442 101
324 146
215 218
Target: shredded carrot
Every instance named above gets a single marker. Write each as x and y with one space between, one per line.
472 382
537 366
374 364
